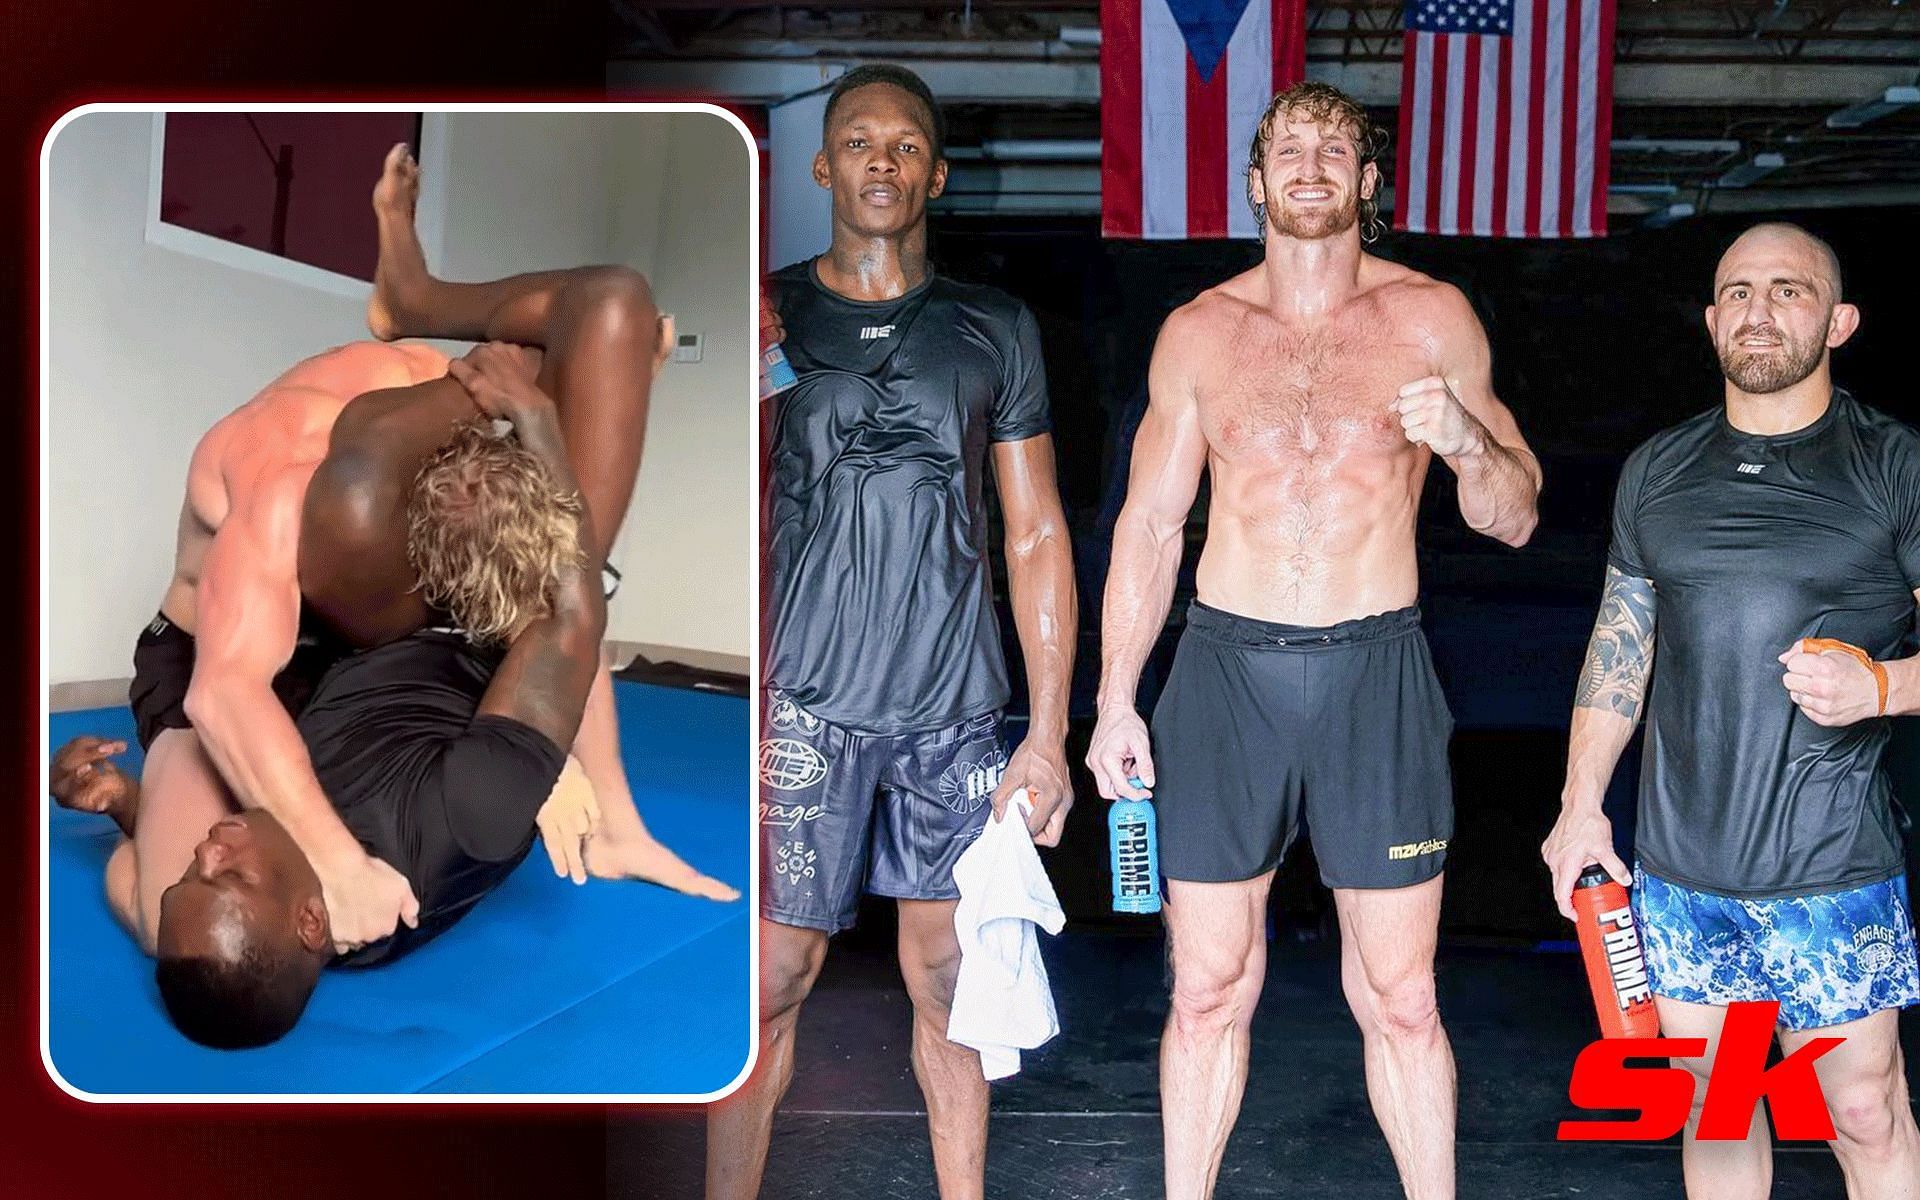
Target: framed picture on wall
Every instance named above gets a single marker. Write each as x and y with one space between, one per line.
279 192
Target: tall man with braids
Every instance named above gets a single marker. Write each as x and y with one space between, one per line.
1316 389
1769 548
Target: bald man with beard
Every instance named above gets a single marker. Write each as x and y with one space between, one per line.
1769 550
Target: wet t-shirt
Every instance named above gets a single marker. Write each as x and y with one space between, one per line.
1753 542
445 797
880 597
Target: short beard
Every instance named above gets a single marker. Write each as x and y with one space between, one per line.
1764 374
1316 225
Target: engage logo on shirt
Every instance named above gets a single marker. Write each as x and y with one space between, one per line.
870 332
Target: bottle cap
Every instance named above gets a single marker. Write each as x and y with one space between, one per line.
1592 875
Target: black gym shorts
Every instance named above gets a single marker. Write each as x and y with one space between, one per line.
163 668
1264 727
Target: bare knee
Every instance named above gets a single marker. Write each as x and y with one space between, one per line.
1403 1009
1864 1121
612 300
788 967
1214 995
931 972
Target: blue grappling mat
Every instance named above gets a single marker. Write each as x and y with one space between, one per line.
544 988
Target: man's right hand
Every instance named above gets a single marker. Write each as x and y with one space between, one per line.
83 777
366 900
1581 836
772 331
1121 751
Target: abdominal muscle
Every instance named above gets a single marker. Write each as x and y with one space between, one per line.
1314 544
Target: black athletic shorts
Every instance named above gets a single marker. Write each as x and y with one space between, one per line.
842 810
163 667
1265 728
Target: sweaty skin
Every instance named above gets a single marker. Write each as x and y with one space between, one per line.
235 588
881 165
603 341
1315 390
1315 480
1776 318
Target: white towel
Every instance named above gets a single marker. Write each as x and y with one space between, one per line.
1001 1001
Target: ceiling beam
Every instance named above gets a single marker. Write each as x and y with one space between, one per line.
1077 80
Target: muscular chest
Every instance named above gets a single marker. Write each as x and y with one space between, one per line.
1279 397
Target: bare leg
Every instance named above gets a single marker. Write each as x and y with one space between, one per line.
598 325
603 338
1865 1082
182 795
739 1127
123 885
1216 934
1386 966
1715 1170
624 848
950 1076
408 301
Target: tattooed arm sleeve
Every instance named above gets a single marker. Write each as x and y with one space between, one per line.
1620 653
1613 688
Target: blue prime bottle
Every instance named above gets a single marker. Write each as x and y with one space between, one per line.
776 373
1133 838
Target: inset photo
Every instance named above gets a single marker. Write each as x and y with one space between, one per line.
398 582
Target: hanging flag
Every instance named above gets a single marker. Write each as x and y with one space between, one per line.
1182 83
1506 109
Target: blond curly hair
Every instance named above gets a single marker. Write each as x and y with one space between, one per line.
489 531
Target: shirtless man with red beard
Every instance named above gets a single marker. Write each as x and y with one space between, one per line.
1316 389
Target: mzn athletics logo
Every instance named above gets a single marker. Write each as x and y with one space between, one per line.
1663 1096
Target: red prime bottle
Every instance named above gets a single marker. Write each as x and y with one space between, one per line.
1616 969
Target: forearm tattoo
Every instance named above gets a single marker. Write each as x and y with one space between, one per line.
1620 655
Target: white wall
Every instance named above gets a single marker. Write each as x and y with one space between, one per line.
680 218
150 346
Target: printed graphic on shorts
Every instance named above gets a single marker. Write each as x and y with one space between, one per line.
790 816
794 861
1694 952
1827 958
786 715
787 765
1416 849
968 782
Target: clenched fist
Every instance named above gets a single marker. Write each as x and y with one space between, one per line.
1431 415
1831 687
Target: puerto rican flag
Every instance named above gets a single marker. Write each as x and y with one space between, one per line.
1506 110
1182 84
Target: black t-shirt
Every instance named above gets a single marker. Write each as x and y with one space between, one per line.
1751 543
882 610
445 797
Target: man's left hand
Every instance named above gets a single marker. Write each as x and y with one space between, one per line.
1040 768
1431 415
1832 688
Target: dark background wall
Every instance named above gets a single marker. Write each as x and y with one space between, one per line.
1596 345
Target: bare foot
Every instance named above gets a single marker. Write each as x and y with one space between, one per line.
402 268
643 857
84 778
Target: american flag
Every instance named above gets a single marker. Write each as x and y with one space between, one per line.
1506 109
1182 84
